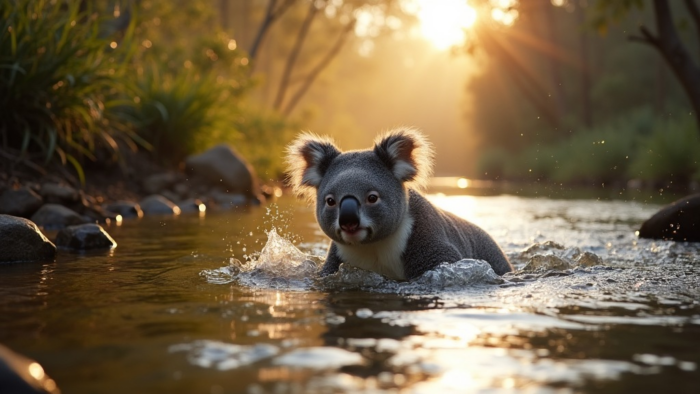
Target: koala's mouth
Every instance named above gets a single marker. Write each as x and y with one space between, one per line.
357 234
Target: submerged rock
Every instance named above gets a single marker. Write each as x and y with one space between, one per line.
678 221
84 237
20 375
192 205
56 216
21 240
21 202
224 167
158 205
127 209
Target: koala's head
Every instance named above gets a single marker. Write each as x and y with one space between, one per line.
361 196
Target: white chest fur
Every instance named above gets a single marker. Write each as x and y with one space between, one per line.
382 257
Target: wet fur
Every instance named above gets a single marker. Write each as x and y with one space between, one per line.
406 234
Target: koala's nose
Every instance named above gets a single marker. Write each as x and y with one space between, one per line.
349 218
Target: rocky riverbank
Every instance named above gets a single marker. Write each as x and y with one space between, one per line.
217 179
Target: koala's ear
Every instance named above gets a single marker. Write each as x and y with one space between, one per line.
308 159
408 154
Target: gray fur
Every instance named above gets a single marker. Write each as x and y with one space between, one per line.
402 235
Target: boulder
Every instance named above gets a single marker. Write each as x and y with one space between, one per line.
21 240
192 205
84 237
678 221
56 216
127 209
20 375
59 193
21 202
157 183
223 167
158 205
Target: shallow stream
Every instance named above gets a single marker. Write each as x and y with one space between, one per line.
228 303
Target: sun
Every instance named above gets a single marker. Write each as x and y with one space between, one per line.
443 22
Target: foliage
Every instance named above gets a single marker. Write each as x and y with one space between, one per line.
60 82
176 113
671 151
636 146
263 138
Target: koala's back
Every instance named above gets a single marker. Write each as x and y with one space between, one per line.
440 236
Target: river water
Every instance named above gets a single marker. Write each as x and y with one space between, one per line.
228 303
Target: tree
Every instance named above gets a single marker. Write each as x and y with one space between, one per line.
666 41
303 66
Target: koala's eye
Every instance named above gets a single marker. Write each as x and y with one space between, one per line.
372 198
330 201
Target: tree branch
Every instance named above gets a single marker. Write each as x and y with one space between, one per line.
271 15
293 55
319 67
695 14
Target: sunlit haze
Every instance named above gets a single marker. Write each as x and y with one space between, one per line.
443 22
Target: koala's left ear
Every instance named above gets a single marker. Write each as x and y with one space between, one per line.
308 159
408 154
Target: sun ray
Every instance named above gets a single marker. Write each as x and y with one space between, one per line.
444 22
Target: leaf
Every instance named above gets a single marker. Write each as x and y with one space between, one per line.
78 168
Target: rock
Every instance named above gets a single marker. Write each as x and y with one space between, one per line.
99 215
170 195
192 205
158 205
21 240
58 194
21 202
228 200
84 237
182 190
678 221
56 216
222 166
127 209
588 259
159 182
20 375
546 262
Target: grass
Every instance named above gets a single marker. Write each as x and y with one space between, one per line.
61 83
635 146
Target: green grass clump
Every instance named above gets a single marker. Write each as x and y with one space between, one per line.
177 113
61 82
670 152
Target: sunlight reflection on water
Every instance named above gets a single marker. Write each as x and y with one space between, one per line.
180 312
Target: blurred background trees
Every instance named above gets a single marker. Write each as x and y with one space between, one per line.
543 90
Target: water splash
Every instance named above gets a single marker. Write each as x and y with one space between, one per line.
445 277
279 265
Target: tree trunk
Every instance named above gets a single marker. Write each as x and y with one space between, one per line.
223 11
555 70
674 52
293 55
332 53
586 107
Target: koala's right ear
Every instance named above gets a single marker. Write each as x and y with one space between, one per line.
308 159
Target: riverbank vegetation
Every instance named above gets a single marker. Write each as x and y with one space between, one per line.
556 90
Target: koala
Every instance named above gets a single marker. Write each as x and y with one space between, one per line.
369 203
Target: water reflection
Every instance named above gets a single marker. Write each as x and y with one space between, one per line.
144 319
